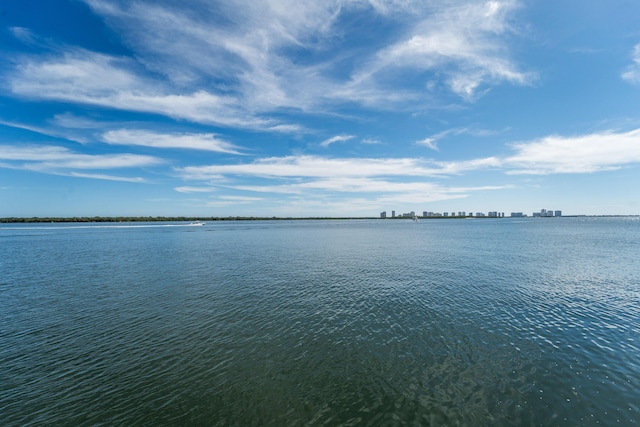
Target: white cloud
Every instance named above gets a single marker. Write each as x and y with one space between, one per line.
457 167
429 142
188 141
242 44
69 120
102 80
187 189
358 195
314 166
463 41
107 177
59 160
56 133
22 34
341 171
632 74
579 154
316 178
74 76
235 64
337 138
288 128
365 185
299 175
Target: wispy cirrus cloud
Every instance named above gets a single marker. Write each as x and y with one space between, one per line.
47 130
62 161
23 34
105 177
361 194
75 76
315 167
587 153
432 141
632 73
420 189
429 142
315 171
337 138
72 121
186 141
244 46
238 64
318 178
462 41
556 154
550 155
91 78
190 189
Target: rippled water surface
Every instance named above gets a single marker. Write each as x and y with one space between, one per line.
360 322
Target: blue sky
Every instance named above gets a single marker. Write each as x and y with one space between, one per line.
318 108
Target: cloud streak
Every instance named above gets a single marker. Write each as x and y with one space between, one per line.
91 78
314 166
317 178
367 185
188 189
186 141
230 64
578 154
405 176
461 41
432 141
337 138
62 161
632 73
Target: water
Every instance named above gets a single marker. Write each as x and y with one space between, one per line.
290 323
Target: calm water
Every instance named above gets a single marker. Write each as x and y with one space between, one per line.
290 323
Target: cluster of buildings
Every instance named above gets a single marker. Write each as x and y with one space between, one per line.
463 214
542 213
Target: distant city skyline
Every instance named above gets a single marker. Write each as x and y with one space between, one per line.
307 108
489 214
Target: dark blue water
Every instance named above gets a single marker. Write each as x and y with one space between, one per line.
380 322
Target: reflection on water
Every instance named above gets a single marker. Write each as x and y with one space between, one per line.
485 322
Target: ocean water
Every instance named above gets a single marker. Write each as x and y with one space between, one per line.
304 323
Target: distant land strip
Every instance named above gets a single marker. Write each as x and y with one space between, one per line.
160 219
121 219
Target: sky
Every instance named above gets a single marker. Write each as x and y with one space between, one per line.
298 108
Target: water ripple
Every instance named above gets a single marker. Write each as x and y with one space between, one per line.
322 323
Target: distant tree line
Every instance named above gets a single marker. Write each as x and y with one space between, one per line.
97 219
151 219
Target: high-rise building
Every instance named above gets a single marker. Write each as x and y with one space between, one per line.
383 214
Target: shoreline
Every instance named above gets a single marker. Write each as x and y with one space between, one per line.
121 219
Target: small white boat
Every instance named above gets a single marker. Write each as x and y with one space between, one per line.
197 224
